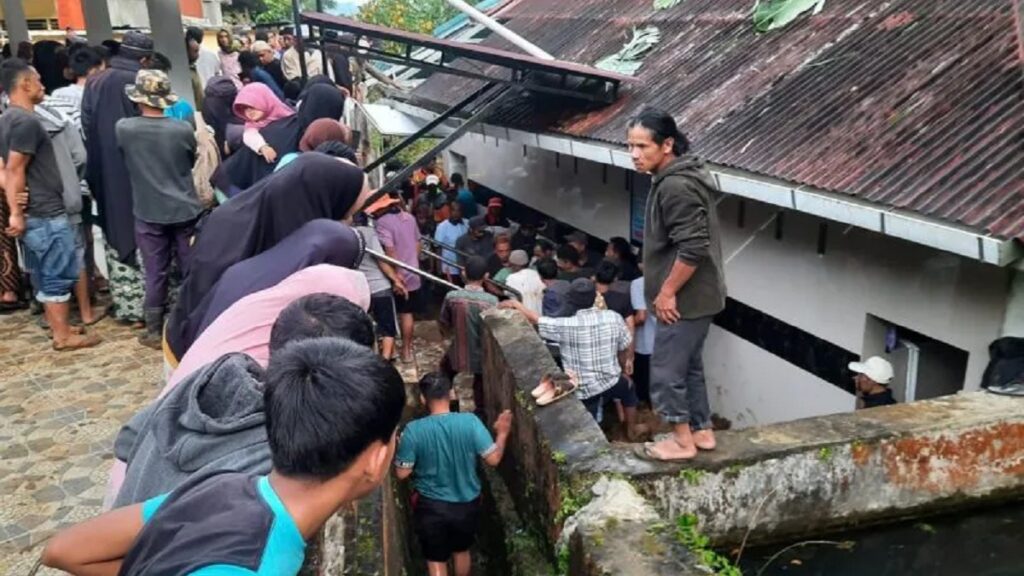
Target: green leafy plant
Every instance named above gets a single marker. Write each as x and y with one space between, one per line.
825 453
628 60
563 560
558 457
688 534
772 14
665 4
691 475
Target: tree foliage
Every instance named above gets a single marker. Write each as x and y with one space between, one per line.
265 11
411 15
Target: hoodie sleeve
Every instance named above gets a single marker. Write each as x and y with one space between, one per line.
685 219
128 438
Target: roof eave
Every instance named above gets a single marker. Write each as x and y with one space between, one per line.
960 240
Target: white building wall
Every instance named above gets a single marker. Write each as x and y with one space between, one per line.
943 296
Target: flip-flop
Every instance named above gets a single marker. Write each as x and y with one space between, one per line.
645 452
561 389
543 388
98 317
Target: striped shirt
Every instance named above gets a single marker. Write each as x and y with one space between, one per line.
589 343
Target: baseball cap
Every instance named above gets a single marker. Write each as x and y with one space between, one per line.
582 293
519 258
877 368
136 45
385 201
477 222
433 180
494 202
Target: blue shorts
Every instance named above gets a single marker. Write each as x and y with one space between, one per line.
50 257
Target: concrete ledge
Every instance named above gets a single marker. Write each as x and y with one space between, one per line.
834 472
776 482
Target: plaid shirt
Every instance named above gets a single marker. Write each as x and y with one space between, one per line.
589 343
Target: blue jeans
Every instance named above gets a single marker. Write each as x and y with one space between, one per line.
50 257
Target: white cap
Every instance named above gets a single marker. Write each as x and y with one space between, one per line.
877 368
433 180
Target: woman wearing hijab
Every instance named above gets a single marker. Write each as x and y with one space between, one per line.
319 133
314 186
258 106
319 241
246 168
218 102
245 327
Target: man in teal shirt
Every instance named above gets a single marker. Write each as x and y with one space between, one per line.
440 452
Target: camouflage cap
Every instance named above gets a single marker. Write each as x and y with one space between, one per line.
152 88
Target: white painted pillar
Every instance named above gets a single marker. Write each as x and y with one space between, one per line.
17 26
1013 318
169 39
97 21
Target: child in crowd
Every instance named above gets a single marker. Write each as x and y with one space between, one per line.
159 153
332 408
258 106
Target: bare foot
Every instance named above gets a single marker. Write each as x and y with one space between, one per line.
669 449
704 439
77 342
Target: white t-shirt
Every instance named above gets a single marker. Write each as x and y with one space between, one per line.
644 332
529 284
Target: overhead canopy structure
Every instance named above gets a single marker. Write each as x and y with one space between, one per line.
504 73
520 70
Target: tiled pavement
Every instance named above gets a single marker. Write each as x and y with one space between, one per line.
59 413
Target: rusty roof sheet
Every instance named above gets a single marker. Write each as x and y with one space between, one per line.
912 104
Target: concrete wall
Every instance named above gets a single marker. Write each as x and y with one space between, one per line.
946 297
791 480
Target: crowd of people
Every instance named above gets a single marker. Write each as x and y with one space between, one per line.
242 239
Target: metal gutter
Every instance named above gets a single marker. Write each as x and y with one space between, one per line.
908 226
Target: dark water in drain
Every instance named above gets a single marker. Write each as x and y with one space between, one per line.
986 542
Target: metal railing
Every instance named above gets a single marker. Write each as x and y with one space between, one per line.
438 280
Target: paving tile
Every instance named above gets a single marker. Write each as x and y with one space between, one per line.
59 413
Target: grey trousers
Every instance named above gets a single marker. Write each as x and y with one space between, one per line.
678 390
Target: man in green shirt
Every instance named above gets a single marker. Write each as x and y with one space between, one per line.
440 452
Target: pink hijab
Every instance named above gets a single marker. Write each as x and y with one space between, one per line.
258 96
245 327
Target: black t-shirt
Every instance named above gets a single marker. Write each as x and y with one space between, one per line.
21 131
619 303
880 399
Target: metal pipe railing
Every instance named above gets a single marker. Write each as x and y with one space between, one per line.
413 269
437 280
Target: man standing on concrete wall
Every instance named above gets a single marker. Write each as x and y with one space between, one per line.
684 281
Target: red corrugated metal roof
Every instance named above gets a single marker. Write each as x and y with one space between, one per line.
911 104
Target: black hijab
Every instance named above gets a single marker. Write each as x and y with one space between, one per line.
245 167
218 98
313 186
319 241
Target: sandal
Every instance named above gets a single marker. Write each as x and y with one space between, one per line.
78 342
703 443
647 451
544 387
561 385
100 313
